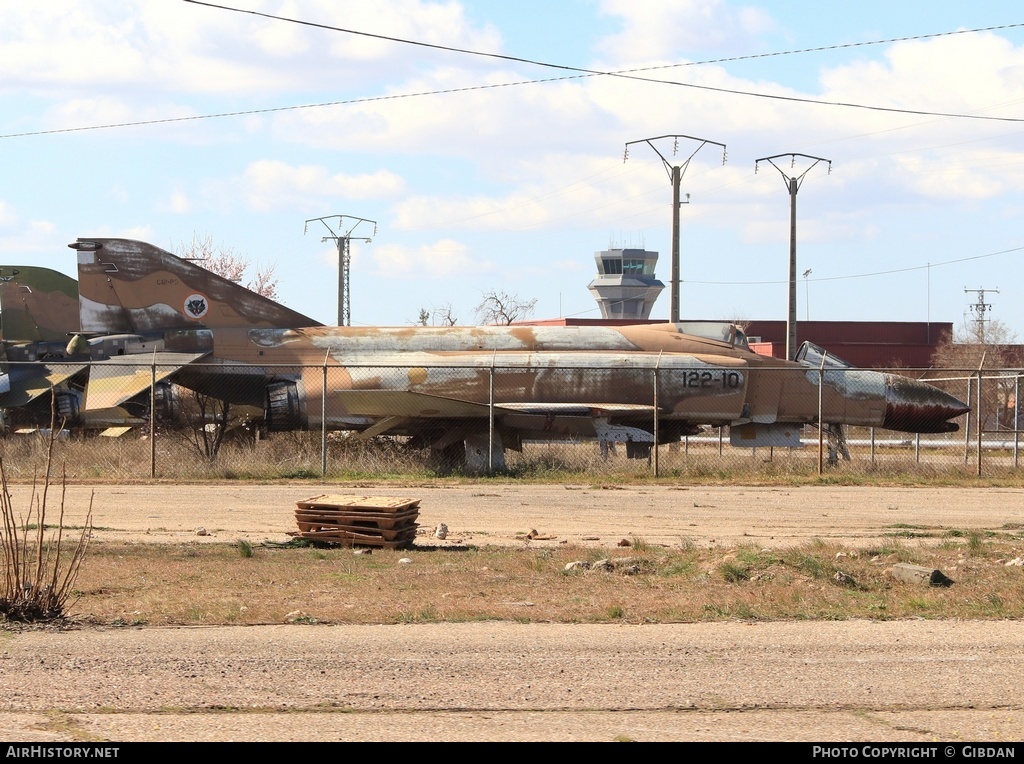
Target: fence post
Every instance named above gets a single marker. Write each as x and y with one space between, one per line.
821 425
967 421
490 417
152 419
323 420
979 428
655 444
1016 418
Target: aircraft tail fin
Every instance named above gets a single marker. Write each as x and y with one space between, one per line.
37 304
128 286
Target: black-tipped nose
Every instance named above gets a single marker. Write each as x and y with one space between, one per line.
913 406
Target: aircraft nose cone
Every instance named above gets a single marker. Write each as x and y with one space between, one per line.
912 406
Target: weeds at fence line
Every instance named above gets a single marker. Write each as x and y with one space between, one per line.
39 574
297 456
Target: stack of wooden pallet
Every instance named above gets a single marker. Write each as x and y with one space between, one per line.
380 521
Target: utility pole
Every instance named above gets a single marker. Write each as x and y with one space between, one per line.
675 175
343 240
979 309
807 294
793 183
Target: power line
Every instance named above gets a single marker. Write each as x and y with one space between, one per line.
629 73
864 275
583 73
591 72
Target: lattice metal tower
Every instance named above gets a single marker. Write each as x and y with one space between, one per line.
980 308
343 240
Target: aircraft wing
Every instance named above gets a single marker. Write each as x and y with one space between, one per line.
578 409
30 380
102 419
406 404
115 432
115 380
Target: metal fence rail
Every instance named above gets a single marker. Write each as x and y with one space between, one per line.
133 419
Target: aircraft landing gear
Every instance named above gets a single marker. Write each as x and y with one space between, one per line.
836 444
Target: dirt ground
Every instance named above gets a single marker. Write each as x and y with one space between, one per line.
587 514
914 681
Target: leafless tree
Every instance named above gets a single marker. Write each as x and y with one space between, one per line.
988 348
439 315
208 420
499 307
208 417
226 262
444 315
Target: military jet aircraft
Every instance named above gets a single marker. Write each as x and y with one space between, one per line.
40 374
477 388
38 313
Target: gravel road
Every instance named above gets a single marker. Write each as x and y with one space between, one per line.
915 681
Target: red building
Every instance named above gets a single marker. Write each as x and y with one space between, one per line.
867 344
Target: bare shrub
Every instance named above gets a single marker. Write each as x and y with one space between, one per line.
38 580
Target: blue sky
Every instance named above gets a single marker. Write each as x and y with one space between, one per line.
515 187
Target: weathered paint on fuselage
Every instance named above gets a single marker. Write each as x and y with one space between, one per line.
38 312
602 365
37 305
250 342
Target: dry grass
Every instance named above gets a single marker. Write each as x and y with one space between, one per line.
297 455
207 584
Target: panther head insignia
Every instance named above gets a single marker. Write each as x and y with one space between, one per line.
196 306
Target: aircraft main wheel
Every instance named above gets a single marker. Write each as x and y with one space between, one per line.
448 459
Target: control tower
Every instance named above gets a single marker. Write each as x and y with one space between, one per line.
625 286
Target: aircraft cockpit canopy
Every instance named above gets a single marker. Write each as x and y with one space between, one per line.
739 338
719 331
817 357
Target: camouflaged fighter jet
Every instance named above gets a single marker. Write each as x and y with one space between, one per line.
38 313
40 374
143 307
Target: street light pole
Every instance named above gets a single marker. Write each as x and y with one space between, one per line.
807 296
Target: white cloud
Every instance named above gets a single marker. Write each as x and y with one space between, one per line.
930 177
959 74
62 45
445 257
268 185
139 233
34 238
178 203
677 29
474 122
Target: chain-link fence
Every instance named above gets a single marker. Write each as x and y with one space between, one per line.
129 420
